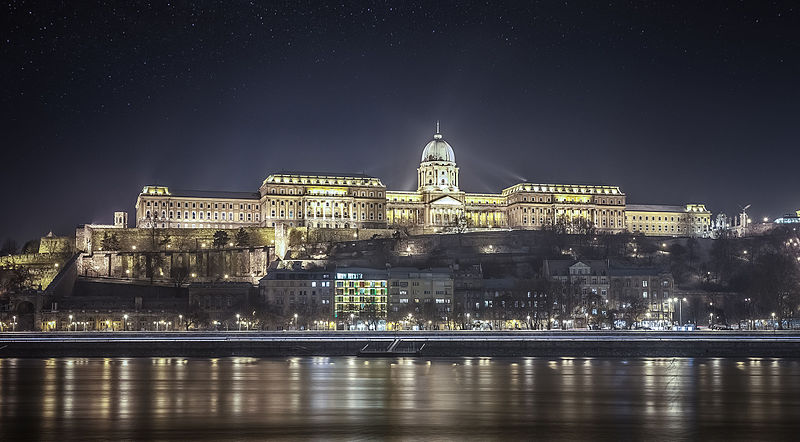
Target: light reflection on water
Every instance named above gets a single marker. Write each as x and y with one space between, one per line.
342 398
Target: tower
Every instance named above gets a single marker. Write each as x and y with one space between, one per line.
121 219
437 181
437 170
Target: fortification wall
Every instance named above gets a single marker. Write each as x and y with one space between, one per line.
40 267
90 239
244 264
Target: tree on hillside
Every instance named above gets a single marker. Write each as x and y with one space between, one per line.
19 280
775 284
242 238
110 242
724 261
31 246
678 261
221 239
692 247
616 244
179 275
9 247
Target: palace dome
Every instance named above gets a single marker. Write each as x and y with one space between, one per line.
438 150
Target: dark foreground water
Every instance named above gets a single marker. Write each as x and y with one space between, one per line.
345 398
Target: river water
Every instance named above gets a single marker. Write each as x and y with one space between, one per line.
346 398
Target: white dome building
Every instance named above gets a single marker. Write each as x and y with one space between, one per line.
438 150
437 169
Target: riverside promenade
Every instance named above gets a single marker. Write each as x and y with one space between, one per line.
782 344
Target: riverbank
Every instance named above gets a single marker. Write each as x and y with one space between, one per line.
436 344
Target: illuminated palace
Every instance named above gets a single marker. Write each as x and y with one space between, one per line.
322 200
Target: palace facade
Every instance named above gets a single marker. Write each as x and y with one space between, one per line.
322 200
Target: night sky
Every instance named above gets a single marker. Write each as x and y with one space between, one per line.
674 102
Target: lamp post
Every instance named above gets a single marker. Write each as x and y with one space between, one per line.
749 316
296 326
352 317
180 320
528 318
70 322
710 319
124 322
468 323
239 322
14 324
774 327
680 302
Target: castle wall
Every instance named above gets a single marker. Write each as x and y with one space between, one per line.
233 264
90 239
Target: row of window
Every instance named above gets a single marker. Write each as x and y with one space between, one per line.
328 204
371 194
652 228
647 218
195 204
199 215
655 294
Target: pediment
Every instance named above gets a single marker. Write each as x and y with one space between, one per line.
446 201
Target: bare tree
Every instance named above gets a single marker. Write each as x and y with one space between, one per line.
242 238
9 247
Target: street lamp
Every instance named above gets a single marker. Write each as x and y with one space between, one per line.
680 302
774 327
352 317
124 322
239 322
528 318
180 320
70 322
295 322
711 319
14 324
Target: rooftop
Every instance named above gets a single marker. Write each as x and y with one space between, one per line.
321 174
189 193
296 177
665 208
563 188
